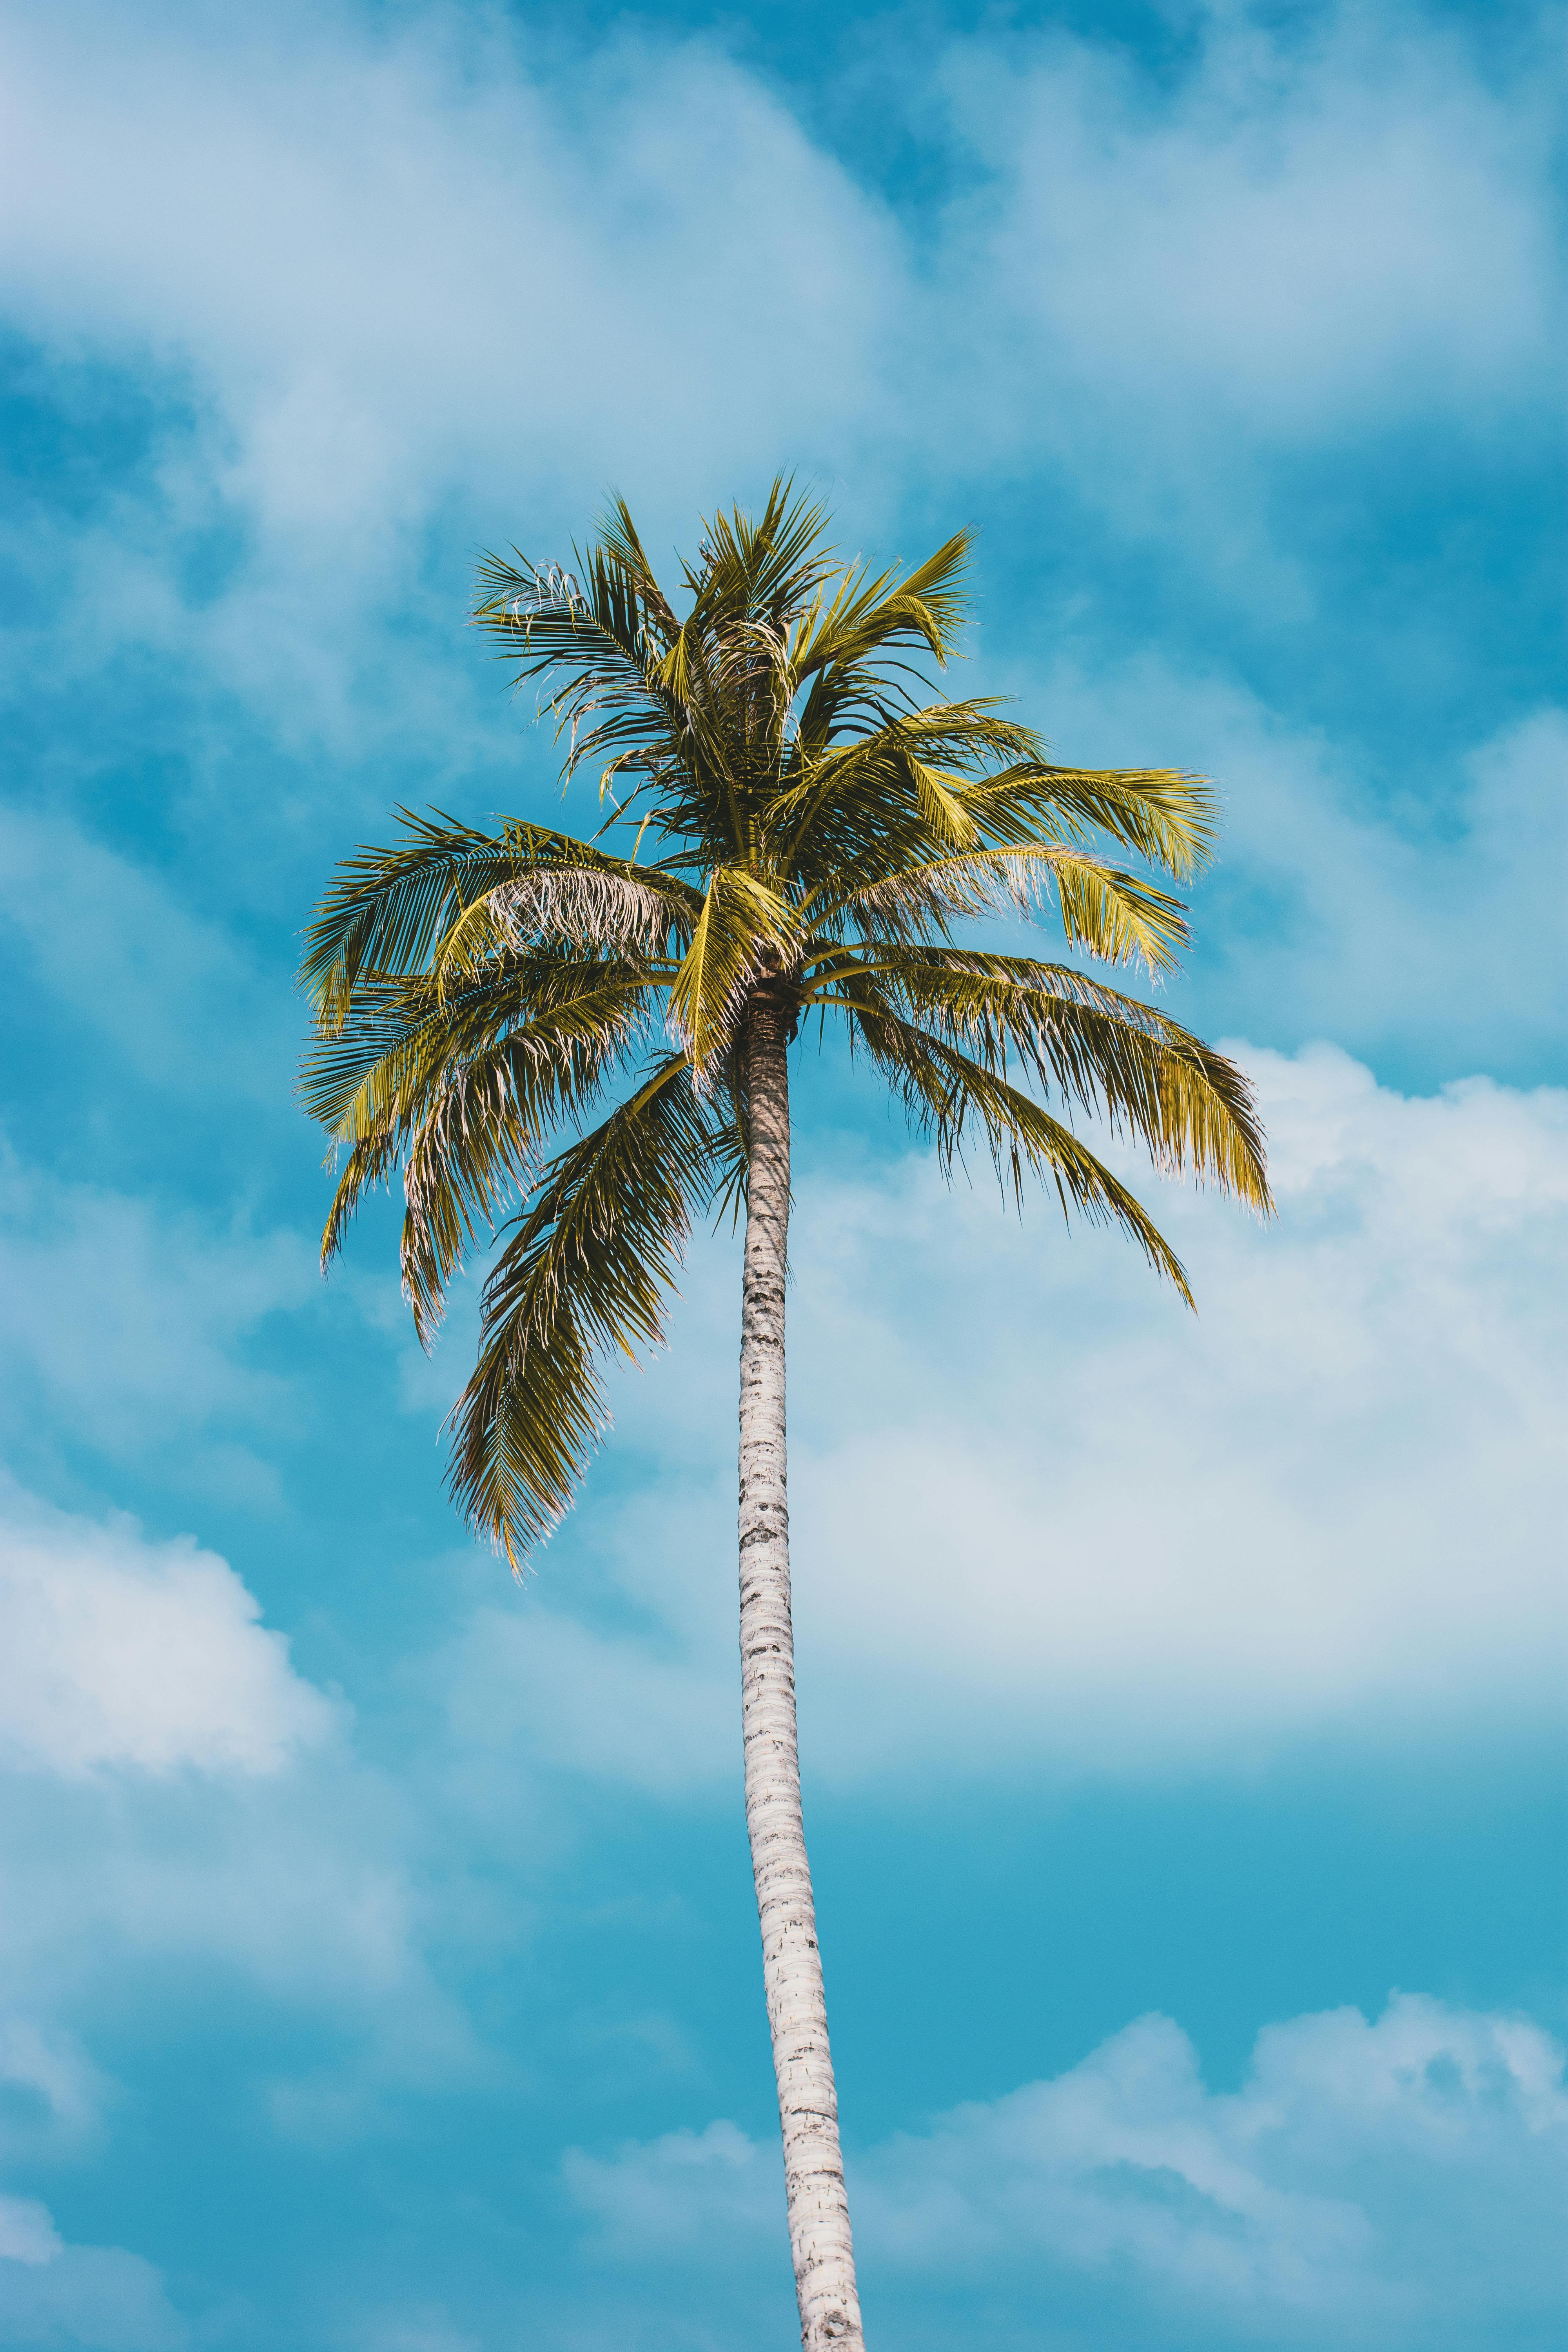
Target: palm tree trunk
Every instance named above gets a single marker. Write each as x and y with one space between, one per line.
792 1965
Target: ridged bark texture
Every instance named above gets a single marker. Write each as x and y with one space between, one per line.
792 1965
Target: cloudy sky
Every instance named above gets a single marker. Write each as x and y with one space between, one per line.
1181 1697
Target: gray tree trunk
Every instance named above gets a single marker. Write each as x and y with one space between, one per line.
792 1965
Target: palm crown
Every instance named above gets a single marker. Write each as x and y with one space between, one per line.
802 822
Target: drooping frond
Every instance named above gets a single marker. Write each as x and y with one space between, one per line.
387 908
1096 1050
956 1101
462 1092
584 1274
745 930
870 798
577 905
598 641
912 784
1160 813
1115 916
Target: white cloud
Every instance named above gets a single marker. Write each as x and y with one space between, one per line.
395 250
170 991
129 1322
203 1788
586 1701
1290 235
212 1812
96 2297
1037 1507
1330 1500
689 2192
1423 929
398 267
1397 2182
436 276
393 273
51 2094
115 1650
26 2232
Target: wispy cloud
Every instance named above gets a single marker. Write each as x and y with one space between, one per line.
130 1320
386 275
393 268
117 946
216 1812
1390 2181
1310 226
1038 1509
117 1651
52 2293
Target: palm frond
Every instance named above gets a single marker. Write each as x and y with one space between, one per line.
948 1095
872 612
1114 915
602 639
761 570
1161 814
386 909
462 1101
575 906
745 930
619 540
584 1274
1107 1053
856 795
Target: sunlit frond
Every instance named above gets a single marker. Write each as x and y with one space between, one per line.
1115 916
872 612
584 1274
956 1101
1160 813
744 932
462 1094
1099 1051
387 908
764 568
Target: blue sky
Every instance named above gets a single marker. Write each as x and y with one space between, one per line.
1181 1698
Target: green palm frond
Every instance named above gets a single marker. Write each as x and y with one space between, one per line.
861 799
469 1124
1115 916
1161 814
764 569
584 1274
593 631
386 907
744 932
623 547
1095 1049
866 807
867 617
950 1097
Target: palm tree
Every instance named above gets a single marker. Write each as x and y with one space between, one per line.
820 836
